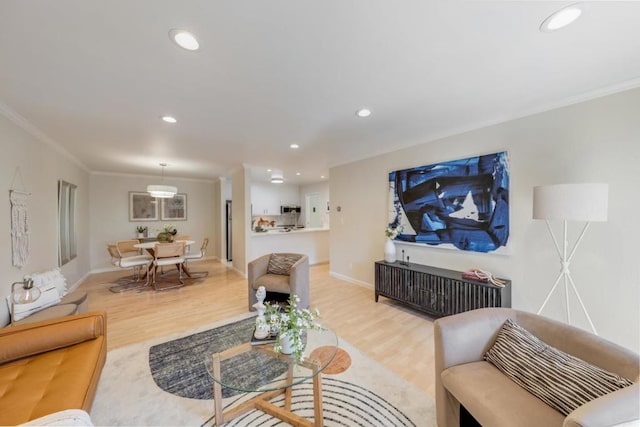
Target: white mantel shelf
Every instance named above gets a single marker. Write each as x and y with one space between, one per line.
313 242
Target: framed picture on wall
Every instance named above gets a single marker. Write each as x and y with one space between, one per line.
175 208
142 207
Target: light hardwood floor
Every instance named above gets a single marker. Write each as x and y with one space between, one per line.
399 338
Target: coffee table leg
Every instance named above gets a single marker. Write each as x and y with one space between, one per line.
217 391
288 390
318 416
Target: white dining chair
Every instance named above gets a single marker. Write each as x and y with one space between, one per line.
136 261
197 255
166 254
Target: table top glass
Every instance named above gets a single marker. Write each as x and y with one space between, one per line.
257 368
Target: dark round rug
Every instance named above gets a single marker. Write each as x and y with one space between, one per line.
178 366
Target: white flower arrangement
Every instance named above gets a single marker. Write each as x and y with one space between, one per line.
392 232
292 321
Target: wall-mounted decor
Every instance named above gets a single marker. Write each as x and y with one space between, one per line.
19 227
142 207
461 204
175 208
67 239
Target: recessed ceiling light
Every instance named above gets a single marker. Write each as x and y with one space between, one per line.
562 18
268 170
363 112
184 39
321 176
169 119
298 173
294 146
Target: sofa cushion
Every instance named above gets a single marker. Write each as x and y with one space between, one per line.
281 263
53 277
61 379
273 282
487 393
562 381
59 310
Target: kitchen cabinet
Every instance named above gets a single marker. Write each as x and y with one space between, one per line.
266 198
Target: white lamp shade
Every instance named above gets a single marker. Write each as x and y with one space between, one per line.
162 191
571 202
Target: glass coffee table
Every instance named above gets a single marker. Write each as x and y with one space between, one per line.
269 383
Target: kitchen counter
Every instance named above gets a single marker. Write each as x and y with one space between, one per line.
279 231
313 242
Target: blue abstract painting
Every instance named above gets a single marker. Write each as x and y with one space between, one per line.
461 204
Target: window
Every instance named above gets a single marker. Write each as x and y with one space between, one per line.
67 249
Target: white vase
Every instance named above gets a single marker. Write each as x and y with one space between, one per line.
140 235
389 251
286 343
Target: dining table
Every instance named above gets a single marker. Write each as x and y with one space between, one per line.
150 248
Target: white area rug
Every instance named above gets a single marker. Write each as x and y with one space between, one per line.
127 394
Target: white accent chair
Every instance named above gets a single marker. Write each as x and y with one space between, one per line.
197 255
168 254
124 255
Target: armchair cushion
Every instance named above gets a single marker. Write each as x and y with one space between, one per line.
562 381
281 263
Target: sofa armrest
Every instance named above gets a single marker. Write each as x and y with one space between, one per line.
459 339
257 267
66 418
17 342
465 337
620 407
299 280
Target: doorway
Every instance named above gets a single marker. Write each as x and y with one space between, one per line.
229 251
313 209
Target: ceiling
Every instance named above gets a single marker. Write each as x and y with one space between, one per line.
94 77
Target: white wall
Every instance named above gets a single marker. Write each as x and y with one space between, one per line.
241 215
595 141
109 212
41 166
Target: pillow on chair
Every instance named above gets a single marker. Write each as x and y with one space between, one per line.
560 380
281 263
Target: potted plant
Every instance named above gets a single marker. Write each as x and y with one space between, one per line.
142 231
291 324
167 233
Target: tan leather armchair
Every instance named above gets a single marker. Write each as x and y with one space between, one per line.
51 366
464 378
296 282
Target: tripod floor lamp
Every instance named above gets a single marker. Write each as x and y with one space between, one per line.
570 202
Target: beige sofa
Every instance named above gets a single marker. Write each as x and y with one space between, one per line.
464 378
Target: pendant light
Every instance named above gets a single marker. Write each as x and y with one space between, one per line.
162 191
277 177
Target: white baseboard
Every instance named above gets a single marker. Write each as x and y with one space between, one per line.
351 280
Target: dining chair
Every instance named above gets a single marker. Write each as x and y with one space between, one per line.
168 254
127 248
137 262
197 255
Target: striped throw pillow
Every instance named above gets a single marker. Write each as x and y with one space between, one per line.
281 263
560 380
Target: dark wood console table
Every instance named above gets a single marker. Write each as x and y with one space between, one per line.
437 291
